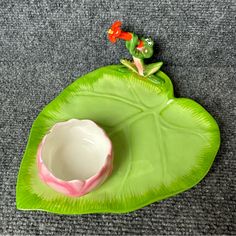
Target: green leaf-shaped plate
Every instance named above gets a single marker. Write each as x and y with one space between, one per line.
162 145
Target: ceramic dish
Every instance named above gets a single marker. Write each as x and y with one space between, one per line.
162 145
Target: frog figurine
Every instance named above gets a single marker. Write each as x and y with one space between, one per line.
140 49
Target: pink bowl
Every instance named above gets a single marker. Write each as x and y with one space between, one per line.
75 157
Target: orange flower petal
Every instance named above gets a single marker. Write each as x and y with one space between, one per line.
111 38
116 25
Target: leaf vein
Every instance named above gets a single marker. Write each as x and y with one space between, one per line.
183 129
110 96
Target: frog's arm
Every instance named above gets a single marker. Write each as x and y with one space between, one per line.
132 44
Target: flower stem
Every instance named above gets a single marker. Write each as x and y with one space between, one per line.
139 64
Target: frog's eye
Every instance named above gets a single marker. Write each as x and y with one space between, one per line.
149 42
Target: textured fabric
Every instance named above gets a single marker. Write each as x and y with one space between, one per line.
46 45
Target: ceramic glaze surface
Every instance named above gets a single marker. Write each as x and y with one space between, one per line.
162 145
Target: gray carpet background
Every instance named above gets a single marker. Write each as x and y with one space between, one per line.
46 45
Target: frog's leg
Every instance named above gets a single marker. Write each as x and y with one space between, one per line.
129 64
152 68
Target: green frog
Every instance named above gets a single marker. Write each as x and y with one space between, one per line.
140 50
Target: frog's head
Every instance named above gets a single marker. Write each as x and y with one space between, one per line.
147 49
148 42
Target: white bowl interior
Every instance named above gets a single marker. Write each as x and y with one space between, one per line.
76 149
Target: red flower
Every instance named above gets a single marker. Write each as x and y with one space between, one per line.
115 33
